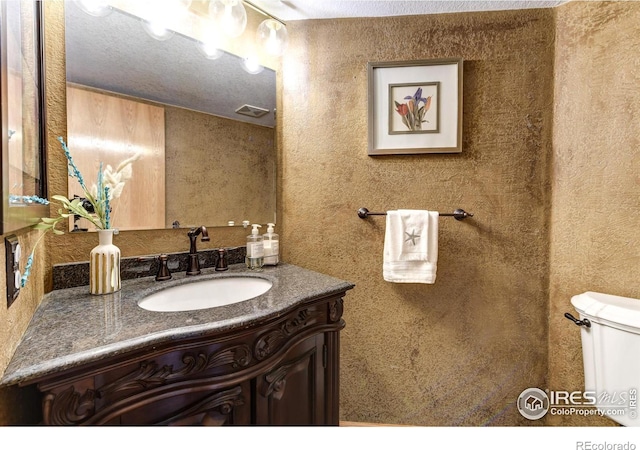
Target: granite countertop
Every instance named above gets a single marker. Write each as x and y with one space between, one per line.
72 327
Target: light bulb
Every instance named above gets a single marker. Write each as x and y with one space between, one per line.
157 30
97 8
229 15
159 14
209 49
272 36
251 65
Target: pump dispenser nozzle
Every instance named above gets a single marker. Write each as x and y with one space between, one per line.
255 249
271 247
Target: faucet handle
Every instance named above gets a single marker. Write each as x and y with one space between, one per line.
222 264
163 269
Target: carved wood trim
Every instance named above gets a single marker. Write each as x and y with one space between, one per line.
149 374
236 357
68 407
276 380
213 409
336 308
271 341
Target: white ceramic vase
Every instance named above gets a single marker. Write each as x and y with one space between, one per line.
104 265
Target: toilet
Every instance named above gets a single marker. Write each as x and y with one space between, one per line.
611 353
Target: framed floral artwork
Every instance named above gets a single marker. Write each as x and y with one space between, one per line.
415 107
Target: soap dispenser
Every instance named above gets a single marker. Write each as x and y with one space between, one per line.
255 249
271 247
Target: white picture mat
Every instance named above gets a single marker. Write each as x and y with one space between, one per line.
448 77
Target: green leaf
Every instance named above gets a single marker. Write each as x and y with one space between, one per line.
56 231
60 198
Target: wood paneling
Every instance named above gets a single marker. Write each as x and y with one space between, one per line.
109 129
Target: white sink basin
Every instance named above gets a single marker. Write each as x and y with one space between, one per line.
205 294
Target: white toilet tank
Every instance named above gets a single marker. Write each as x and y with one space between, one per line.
611 353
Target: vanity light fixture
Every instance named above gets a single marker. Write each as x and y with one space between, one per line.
251 65
210 45
229 15
272 36
160 13
156 30
209 49
96 8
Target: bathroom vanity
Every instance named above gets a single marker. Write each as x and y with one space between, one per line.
270 360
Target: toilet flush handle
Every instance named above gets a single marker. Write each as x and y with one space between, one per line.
583 322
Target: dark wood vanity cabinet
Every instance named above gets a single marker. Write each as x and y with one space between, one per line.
283 371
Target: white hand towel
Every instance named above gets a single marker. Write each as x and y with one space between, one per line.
411 246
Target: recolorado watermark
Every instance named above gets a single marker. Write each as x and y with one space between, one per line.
588 445
534 403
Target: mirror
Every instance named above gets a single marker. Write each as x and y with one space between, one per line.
204 128
23 125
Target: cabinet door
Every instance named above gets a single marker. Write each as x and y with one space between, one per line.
292 392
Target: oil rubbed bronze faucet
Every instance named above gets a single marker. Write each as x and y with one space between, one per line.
194 264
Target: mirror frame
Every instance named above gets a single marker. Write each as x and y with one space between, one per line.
16 217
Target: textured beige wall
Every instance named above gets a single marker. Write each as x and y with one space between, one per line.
595 228
220 170
458 352
14 405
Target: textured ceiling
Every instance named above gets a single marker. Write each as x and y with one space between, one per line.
333 9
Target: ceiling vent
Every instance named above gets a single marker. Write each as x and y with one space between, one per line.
252 111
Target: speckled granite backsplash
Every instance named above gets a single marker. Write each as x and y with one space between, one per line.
77 274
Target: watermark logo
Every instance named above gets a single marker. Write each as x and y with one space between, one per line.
588 445
533 403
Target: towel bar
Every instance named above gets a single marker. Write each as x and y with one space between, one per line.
458 214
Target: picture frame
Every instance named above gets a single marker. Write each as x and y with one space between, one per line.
415 107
